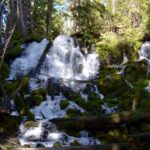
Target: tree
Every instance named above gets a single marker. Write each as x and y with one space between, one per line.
49 16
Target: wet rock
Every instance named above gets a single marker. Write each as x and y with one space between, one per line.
135 70
112 85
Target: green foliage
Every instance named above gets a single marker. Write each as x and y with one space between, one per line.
14 48
22 107
64 104
10 87
86 17
73 112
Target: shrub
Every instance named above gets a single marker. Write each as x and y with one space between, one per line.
64 104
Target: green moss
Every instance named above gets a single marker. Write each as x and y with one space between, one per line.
80 101
57 145
14 51
141 83
40 91
73 113
25 84
33 37
107 70
75 143
10 87
93 107
112 86
14 48
4 71
36 99
31 123
135 71
93 96
64 104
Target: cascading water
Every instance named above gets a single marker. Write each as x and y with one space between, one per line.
144 53
29 59
64 60
66 65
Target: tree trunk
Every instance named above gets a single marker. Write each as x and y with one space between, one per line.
117 146
100 122
30 10
49 16
21 18
1 14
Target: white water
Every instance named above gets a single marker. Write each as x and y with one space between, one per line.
45 134
50 109
66 61
125 58
29 59
144 53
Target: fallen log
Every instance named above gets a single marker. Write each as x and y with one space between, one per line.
141 136
118 146
100 122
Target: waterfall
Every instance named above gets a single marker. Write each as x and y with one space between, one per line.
65 64
144 53
65 60
29 59
125 58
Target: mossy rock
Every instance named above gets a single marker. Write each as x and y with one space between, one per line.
129 48
80 101
75 143
4 71
31 123
107 70
73 112
40 91
36 97
93 107
141 83
64 104
112 86
135 71
57 145
144 102
93 96
69 94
